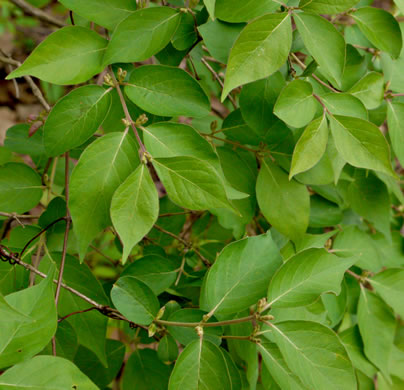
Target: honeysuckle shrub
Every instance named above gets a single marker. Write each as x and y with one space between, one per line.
215 203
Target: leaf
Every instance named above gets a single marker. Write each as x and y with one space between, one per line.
326 7
192 183
315 353
235 11
36 373
141 35
260 50
296 105
18 141
369 90
276 365
135 300
381 28
305 276
75 118
361 143
102 167
389 285
318 36
167 350
185 35
70 55
285 204
157 272
167 91
377 326
106 13
344 104
200 365
242 264
310 147
134 208
27 339
145 371
20 188
395 119
210 6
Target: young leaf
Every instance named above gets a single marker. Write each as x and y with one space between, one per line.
260 50
227 285
361 143
102 167
35 373
381 28
369 90
296 105
135 300
395 119
20 188
326 7
75 118
310 147
70 55
142 34
167 91
236 11
377 326
134 208
192 183
285 204
106 13
305 276
318 34
315 353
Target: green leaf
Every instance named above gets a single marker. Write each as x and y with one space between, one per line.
361 143
318 36
18 141
315 353
235 11
185 35
145 371
75 118
285 204
135 300
167 350
381 28
377 326
327 7
395 119
47 373
276 365
20 188
106 13
192 183
296 105
201 365
305 276
242 264
142 34
389 285
134 208
102 167
260 50
70 55
310 147
210 6
369 90
167 91
157 272
28 339
344 104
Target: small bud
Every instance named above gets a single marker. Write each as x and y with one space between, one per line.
206 318
199 331
267 318
160 313
152 329
125 122
108 80
213 126
261 305
122 75
142 119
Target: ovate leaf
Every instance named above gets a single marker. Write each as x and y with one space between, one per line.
260 50
305 276
135 300
167 91
102 167
70 55
315 353
285 204
395 120
369 90
242 264
75 118
134 208
235 11
142 34
210 6
326 7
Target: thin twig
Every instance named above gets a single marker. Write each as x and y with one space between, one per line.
18 216
110 259
206 324
38 13
227 141
174 214
76 312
